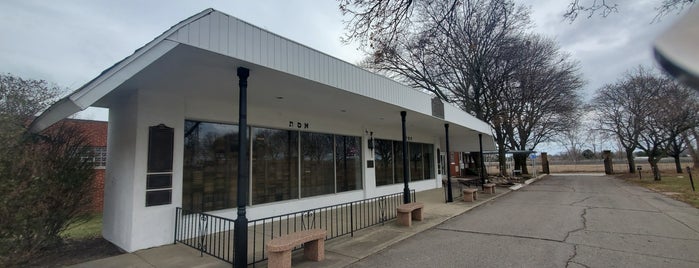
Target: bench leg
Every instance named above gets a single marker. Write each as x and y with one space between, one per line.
475 195
404 219
417 214
279 259
468 197
314 250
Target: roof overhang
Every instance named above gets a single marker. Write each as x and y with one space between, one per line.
175 64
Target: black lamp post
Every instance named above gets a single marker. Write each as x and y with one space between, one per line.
240 234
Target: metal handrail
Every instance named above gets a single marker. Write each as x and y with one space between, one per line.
213 235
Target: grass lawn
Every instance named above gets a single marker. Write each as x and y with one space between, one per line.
83 230
671 184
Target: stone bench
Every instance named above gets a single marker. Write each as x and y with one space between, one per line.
279 248
408 212
489 188
470 194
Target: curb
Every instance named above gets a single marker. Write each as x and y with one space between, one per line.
527 182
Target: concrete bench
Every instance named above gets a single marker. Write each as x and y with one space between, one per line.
470 194
279 249
489 188
408 212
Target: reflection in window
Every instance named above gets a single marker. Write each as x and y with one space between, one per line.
317 167
428 161
274 165
325 164
398 162
348 163
210 166
415 161
389 162
383 157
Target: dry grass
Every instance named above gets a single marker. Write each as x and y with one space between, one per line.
671 184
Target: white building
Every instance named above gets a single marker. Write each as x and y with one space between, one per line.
310 119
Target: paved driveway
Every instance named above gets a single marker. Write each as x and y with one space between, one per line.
560 221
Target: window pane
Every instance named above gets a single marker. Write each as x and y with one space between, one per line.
210 172
348 163
317 165
415 160
274 165
383 156
398 163
428 161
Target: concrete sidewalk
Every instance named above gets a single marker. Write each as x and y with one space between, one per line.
339 252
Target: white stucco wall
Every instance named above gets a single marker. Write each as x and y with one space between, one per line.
133 226
120 173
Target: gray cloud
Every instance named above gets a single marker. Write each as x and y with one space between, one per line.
605 47
71 42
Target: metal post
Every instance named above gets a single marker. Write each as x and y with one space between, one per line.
482 162
691 180
240 235
406 190
450 197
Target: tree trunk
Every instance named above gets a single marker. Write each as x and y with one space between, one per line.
678 165
523 163
629 158
502 160
654 166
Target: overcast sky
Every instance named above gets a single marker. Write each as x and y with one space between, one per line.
71 42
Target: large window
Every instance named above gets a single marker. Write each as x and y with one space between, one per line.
415 160
274 165
210 173
389 161
383 156
348 163
317 169
286 164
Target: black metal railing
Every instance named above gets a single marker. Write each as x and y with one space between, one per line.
207 233
213 235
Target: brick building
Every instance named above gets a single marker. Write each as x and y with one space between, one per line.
96 133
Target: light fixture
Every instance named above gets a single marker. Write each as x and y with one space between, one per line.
371 140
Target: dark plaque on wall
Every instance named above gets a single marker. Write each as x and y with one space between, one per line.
158 181
159 197
437 108
370 163
159 175
160 148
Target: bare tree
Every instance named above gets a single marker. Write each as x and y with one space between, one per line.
620 109
571 139
674 113
543 99
465 58
479 58
373 23
680 116
606 7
